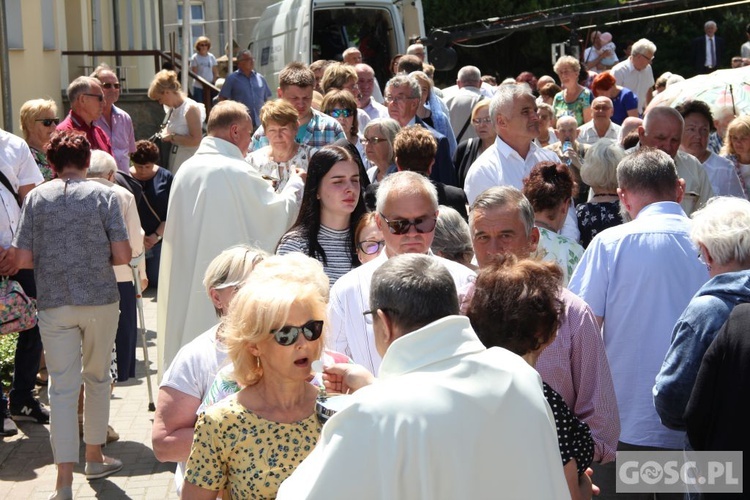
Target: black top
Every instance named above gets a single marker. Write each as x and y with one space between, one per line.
448 196
155 199
593 218
573 435
466 152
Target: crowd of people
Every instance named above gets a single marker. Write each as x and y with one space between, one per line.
431 270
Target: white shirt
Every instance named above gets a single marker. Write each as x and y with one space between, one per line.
637 81
19 167
639 277
723 176
587 133
447 419
710 51
374 110
698 188
350 331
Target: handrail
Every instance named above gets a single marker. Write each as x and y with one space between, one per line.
158 55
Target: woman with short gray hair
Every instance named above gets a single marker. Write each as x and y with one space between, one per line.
721 231
452 239
378 137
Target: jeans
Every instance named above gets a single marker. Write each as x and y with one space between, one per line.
28 350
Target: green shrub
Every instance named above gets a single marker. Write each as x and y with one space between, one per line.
7 353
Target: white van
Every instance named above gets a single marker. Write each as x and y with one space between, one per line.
307 30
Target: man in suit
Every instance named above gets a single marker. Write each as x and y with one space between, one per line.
402 95
708 50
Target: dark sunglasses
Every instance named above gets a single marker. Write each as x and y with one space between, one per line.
288 335
47 122
338 113
110 85
100 97
401 226
369 247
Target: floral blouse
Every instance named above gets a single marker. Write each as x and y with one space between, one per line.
235 449
44 167
557 248
278 173
574 108
593 218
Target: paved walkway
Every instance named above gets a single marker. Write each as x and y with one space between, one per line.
26 468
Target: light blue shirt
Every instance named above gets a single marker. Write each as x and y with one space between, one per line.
252 91
640 276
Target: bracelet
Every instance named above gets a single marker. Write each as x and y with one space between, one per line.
158 236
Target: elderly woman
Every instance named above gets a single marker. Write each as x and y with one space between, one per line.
599 171
77 299
699 123
516 306
203 63
432 110
547 134
452 239
737 148
251 441
156 184
721 231
550 188
574 99
624 100
369 238
378 137
190 375
341 105
38 121
470 149
185 117
277 161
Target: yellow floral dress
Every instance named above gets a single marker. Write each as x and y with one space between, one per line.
234 448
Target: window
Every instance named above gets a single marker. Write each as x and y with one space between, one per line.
49 40
197 24
15 24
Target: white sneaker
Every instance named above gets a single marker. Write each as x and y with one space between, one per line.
8 427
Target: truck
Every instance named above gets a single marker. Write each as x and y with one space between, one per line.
307 30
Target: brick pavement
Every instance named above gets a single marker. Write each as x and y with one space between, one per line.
26 468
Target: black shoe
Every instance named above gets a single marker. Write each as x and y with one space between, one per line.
7 427
32 410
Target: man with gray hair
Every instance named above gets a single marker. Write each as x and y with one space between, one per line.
635 72
501 221
247 86
638 278
86 106
662 129
708 49
370 97
102 168
461 102
438 385
418 50
402 94
407 208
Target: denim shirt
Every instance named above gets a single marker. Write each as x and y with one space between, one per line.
692 335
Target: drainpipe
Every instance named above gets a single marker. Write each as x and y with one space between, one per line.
5 72
187 38
116 21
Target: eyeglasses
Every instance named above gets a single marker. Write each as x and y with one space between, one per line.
401 226
369 247
480 121
288 335
338 113
398 100
375 140
649 59
100 97
47 122
110 85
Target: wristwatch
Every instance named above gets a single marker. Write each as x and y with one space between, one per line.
158 236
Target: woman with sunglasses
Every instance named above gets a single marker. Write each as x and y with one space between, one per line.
251 441
277 161
38 121
369 238
185 117
377 137
203 63
332 205
341 105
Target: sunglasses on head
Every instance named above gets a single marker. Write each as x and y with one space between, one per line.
338 113
401 226
110 85
47 122
288 335
369 247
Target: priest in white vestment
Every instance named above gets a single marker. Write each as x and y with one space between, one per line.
217 201
446 419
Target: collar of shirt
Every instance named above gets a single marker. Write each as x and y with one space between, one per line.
79 122
508 152
661 208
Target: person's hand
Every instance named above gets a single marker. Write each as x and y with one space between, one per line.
8 262
144 284
586 486
572 155
301 173
167 137
149 241
343 378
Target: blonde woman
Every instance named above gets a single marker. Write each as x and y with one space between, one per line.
470 149
737 148
185 117
38 121
253 440
574 99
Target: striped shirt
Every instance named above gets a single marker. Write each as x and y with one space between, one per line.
336 245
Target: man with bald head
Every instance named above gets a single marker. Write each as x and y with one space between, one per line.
601 126
369 90
86 106
217 201
461 102
662 129
352 56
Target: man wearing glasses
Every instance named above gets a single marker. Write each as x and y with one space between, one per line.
407 208
86 106
114 121
635 72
